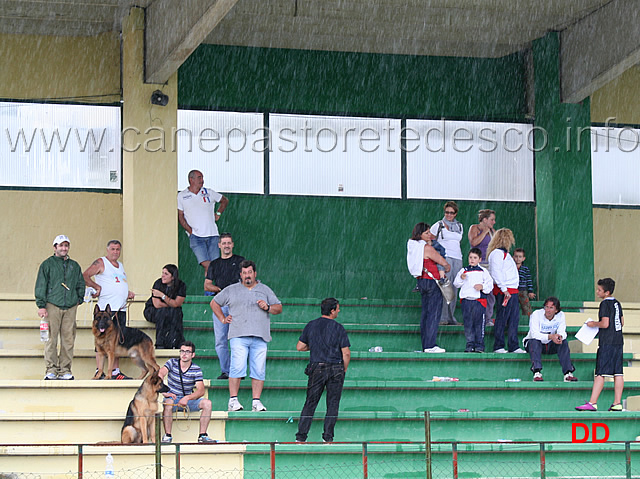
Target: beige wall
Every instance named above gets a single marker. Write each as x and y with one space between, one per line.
619 99
88 70
616 245
39 67
33 67
615 231
31 219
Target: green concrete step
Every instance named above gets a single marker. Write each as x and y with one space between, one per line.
281 426
419 396
416 366
445 426
391 337
199 313
289 395
29 364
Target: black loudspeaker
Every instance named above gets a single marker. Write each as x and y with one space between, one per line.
159 98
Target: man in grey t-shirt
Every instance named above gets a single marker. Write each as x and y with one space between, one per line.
250 304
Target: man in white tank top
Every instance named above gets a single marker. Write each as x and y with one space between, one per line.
110 283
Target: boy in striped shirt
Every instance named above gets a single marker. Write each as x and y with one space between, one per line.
525 286
186 391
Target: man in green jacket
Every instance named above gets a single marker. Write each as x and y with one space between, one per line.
59 291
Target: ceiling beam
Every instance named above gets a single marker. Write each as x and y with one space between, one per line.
174 29
598 49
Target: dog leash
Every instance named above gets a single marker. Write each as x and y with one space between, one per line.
127 319
185 413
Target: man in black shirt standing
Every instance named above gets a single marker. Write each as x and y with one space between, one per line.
329 359
222 272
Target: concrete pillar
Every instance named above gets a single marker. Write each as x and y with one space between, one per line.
149 166
564 216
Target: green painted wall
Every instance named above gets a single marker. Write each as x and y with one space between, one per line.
346 247
261 79
563 183
310 247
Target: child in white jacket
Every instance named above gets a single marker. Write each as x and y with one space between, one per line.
475 284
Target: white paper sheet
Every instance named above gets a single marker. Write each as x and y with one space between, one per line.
586 333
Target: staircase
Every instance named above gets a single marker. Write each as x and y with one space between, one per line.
482 420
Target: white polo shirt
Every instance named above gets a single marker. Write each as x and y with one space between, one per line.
199 209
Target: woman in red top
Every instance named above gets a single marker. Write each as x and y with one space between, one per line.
429 290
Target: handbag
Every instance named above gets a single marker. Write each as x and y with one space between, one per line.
446 288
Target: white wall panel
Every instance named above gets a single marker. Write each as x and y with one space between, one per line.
469 160
227 147
335 156
60 146
615 166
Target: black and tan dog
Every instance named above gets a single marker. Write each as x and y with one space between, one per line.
140 424
136 344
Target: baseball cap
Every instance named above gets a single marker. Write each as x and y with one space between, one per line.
60 239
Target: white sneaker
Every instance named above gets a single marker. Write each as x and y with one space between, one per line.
519 351
50 376
258 406
435 349
66 376
234 405
166 439
501 351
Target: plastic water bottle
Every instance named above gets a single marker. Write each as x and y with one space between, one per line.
44 330
108 471
375 349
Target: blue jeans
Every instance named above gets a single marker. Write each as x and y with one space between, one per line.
221 331
536 349
431 310
193 405
508 316
473 317
255 349
205 249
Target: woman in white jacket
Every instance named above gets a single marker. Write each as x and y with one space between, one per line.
504 272
422 259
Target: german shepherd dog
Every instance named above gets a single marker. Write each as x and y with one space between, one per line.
140 425
137 345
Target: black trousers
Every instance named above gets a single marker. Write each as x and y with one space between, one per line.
169 329
323 375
